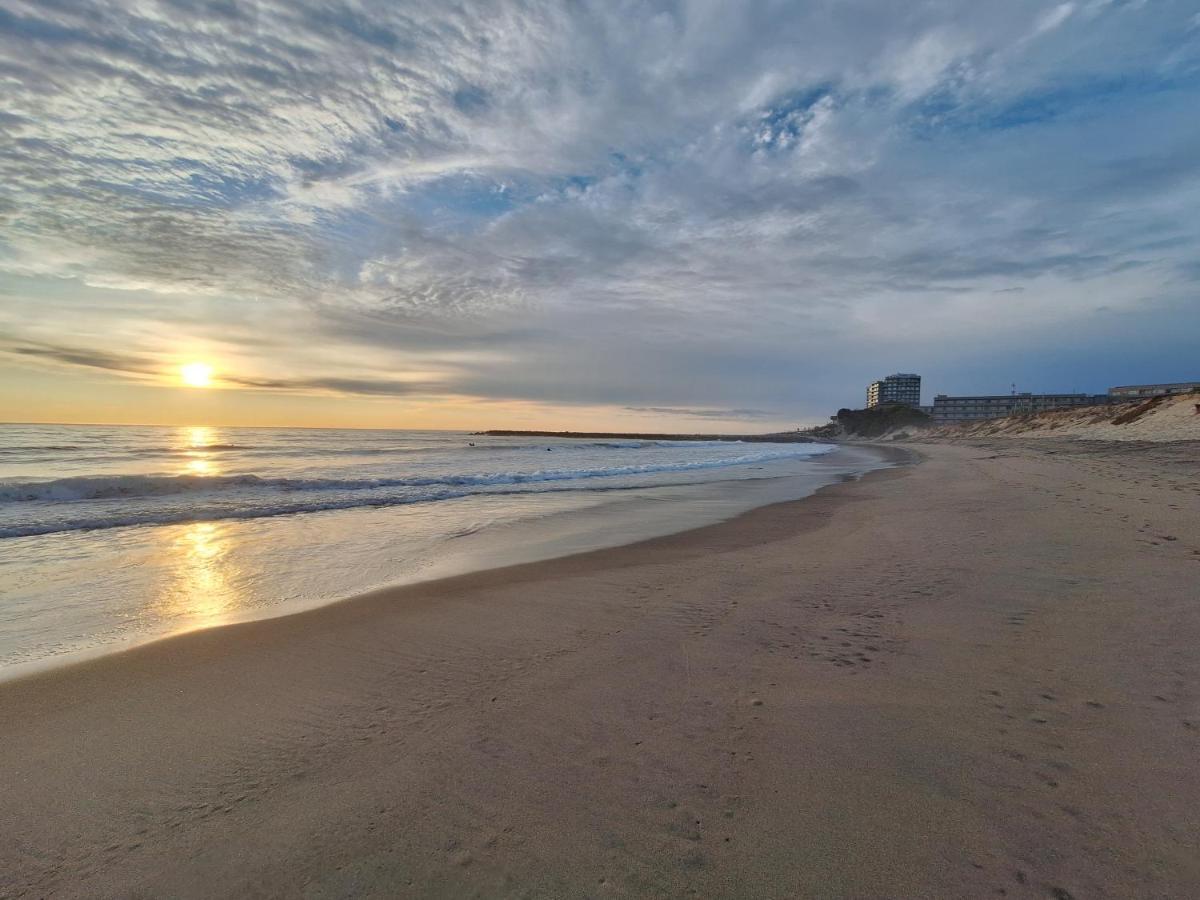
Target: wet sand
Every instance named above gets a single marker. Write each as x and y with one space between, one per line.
972 677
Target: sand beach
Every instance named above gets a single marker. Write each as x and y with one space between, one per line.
971 676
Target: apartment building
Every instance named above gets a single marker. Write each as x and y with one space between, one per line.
1140 391
899 388
994 406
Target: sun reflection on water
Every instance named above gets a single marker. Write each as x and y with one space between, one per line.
201 461
201 466
199 436
204 592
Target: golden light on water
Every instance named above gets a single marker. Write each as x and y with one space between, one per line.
201 541
197 441
201 467
196 374
203 593
199 436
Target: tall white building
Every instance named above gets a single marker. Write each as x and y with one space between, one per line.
899 388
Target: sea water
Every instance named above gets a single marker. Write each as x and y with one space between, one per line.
115 535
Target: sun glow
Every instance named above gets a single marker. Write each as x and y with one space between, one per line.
196 374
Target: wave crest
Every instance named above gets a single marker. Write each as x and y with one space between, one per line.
94 502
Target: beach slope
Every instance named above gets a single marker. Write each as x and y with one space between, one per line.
971 677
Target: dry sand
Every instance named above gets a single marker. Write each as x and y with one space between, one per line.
974 677
1162 418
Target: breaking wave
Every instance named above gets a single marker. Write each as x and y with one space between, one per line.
93 502
126 486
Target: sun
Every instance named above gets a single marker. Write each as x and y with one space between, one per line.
196 374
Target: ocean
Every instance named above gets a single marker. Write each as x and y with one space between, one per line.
116 535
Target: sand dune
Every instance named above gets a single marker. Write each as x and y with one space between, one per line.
1157 419
973 677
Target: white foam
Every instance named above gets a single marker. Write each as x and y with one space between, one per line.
94 502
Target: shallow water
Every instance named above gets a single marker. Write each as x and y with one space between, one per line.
114 535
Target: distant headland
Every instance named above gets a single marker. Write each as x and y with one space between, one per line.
782 437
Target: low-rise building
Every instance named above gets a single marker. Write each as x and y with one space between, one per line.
995 406
899 388
1138 391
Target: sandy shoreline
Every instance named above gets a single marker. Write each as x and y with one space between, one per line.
973 677
208 565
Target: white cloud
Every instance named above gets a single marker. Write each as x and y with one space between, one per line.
1054 17
658 205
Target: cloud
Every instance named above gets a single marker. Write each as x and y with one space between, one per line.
362 386
653 206
90 359
134 365
693 413
1054 17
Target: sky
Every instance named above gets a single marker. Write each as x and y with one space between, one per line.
640 215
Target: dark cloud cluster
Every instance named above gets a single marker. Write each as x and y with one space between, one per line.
676 207
89 359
